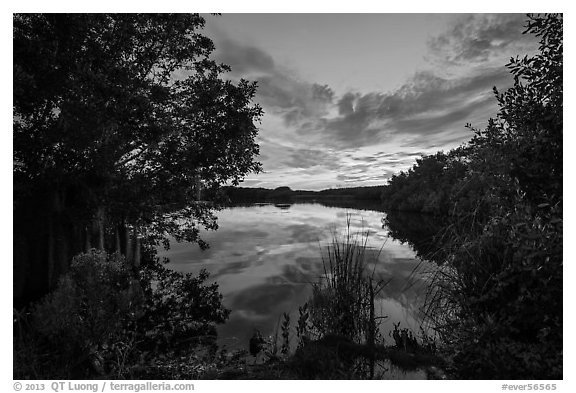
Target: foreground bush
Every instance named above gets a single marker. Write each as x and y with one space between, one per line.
498 303
90 309
104 320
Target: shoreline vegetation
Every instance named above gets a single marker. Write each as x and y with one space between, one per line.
244 194
495 299
355 197
91 299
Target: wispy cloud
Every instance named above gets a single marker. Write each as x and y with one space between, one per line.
481 38
425 106
245 60
280 91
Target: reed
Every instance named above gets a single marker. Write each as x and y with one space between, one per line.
342 302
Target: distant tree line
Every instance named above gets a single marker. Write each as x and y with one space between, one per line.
259 194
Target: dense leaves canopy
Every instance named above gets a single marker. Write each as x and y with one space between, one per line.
126 112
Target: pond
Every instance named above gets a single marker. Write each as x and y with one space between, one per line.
264 258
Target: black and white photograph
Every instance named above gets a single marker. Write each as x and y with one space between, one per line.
287 196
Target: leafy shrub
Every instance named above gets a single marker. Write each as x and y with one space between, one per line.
87 311
498 303
179 307
91 302
105 320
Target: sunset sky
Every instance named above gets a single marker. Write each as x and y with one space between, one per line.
350 99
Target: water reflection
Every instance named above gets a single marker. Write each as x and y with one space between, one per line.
421 231
264 258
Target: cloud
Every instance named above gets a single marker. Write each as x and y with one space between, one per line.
291 99
426 113
425 106
279 90
243 59
310 158
359 178
346 104
284 154
322 93
311 136
481 38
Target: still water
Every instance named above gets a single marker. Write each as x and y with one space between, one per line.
264 258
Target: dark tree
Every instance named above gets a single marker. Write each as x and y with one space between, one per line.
524 142
427 186
496 301
119 121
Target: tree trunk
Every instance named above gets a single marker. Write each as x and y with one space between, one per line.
100 217
50 257
137 254
54 213
87 241
118 247
46 236
64 242
198 186
127 245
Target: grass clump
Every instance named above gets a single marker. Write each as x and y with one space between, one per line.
344 324
342 302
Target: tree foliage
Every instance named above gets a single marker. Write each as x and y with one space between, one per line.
127 100
102 320
527 134
119 118
427 186
497 302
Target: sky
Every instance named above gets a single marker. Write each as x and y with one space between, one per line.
351 99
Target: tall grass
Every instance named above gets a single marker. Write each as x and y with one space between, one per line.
342 300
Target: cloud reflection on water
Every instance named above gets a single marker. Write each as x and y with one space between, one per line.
264 260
